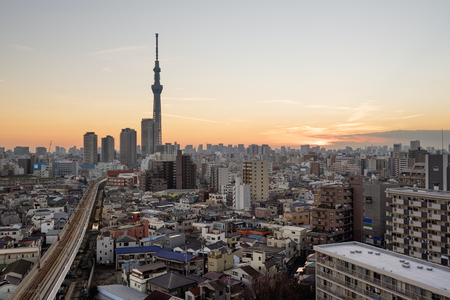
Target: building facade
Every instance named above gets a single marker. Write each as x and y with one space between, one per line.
417 223
149 137
128 155
358 271
107 149
90 145
256 175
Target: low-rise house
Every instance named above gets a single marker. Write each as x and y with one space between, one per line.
220 259
244 273
232 239
140 275
181 263
10 255
124 241
138 255
213 290
171 283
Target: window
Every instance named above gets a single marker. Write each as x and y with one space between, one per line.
211 264
435 168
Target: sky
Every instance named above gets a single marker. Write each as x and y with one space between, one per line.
330 73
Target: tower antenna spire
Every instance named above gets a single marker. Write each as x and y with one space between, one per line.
156 46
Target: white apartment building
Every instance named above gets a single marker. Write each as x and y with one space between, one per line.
241 195
105 248
418 223
353 270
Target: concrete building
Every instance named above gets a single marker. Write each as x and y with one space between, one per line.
90 145
220 259
358 271
140 275
186 172
128 155
375 199
338 215
149 137
241 195
437 172
256 175
105 249
414 145
417 223
107 149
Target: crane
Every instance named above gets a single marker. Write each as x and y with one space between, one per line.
49 150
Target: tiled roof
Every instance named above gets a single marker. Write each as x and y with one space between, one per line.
146 249
171 281
173 255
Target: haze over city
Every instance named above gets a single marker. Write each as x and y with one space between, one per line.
298 72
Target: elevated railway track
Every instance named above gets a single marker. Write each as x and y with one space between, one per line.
44 280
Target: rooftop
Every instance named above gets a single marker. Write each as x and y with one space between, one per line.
389 263
415 192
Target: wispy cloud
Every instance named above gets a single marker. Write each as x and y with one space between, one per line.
362 112
1 80
118 50
20 47
188 99
329 107
412 116
107 69
281 101
195 119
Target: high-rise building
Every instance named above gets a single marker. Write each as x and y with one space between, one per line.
437 172
256 175
397 147
149 137
358 271
41 150
338 215
107 154
414 145
90 145
128 143
186 171
21 150
241 195
374 220
417 223
157 89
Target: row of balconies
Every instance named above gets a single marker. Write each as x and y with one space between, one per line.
381 284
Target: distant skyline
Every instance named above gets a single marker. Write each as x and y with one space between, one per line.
297 72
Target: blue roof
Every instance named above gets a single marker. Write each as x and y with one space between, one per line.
128 250
152 238
255 236
173 255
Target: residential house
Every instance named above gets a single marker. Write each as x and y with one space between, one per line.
171 283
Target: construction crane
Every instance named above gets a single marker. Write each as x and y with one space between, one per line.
49 150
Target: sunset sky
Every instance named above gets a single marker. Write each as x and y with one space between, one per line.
275 72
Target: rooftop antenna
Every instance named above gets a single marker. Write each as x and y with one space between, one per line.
156 46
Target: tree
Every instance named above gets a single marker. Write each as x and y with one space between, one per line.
279 287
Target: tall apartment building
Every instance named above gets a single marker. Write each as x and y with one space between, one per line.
338 214
358 271
128 143
437 172
241 195
168 174
220 178
107 149
397 147
186 172
374 222
418 223
256 175
414 176
19 150
90 145
149 137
